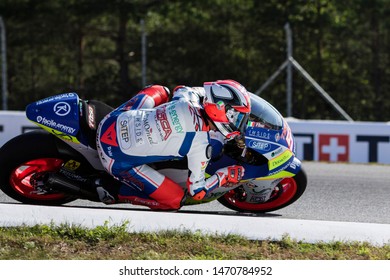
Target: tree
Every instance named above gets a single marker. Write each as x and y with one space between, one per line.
93 47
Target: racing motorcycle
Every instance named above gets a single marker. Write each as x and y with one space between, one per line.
56 163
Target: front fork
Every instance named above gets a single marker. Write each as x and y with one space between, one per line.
258 191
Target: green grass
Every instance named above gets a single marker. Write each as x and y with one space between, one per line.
67 242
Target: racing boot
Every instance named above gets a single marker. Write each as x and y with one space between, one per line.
107 193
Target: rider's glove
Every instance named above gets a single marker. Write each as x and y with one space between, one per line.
224 177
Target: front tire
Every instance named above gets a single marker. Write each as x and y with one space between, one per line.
286 193
28 155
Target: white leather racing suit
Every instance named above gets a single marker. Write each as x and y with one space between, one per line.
135 134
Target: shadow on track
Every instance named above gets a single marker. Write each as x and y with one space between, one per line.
221 213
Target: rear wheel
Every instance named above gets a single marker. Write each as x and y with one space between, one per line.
285 193
23 161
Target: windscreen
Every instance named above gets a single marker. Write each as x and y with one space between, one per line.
264 114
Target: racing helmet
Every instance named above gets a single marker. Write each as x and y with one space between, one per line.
227 104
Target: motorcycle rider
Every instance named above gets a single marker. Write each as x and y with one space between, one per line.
149 129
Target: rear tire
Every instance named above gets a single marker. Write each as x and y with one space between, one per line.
287 192
22 157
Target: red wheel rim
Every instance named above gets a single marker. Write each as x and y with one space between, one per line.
288 188
20 177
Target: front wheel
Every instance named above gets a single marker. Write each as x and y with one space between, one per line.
284 194
24 158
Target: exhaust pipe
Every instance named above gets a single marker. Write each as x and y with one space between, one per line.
64 184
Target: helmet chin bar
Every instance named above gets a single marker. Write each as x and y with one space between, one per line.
229 128
224 128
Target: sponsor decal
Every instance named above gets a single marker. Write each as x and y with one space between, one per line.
304 143
333 147
277 152
56 97
259 199
73 176
279 160
277 137
61 109
109 136
109 151
53 124
91 117
63 135
138 130
175 119
339 147
138 201
309 147
259 145
260 134
164 123
255 124
373 142
124 133
259 190
293 165
130 180
72 164
148 130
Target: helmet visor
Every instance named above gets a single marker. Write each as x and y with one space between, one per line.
237 120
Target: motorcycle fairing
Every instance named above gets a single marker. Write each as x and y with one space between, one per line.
267 141
290 170
274 145
58 114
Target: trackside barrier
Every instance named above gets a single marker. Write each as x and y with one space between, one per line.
13 123
342 141
316 140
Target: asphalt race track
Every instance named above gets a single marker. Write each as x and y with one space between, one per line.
335 192
339 197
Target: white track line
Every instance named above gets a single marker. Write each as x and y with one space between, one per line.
255 228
